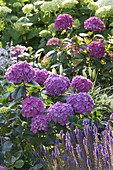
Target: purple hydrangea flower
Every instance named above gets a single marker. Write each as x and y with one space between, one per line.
39 123
63 21
17 50
81 102
21 71
81 84
59 112
56 84
94 24
96 49
32 106
40 75
53 41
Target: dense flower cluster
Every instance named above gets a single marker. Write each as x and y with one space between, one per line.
17 50
21 71
63 21
39 123
81 84
81 102
40 75
3 52
59 112
56 84
94 24
96 49
32 106
2 167
53 41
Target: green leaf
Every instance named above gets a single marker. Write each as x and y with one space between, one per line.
7 146
19 92
19 164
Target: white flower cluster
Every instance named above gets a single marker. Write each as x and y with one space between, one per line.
103 8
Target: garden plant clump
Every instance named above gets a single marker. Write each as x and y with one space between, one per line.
56 85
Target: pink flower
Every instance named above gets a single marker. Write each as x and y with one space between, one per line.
17 50
111 116
2 167
53 41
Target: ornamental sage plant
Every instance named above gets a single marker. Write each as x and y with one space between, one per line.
56 84
96 49
63 21
32 106
81 102
19 72
94 24
81 84
80 150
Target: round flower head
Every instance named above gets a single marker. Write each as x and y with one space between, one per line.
63 21
40 75
39 123
81 84
81 102
53 41
94 24
96 49
56 84
32 106
21 71
59 112
17 50
2 167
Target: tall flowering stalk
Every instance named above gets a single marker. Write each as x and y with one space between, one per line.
79 150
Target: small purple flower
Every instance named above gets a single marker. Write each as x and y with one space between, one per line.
40 75
59 112
56 84
39 123
81 102
32 106
96 49
53 41
17 50
21 71
63 21
2 167
3 52
81 84
94 24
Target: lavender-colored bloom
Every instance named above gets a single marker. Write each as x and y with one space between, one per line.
21 71
111 116
81 102
63 21
39 123
56 84
96 49
81 84
17 50
59 112
2 167
40 75
53 41
32 106
3 52
94 24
